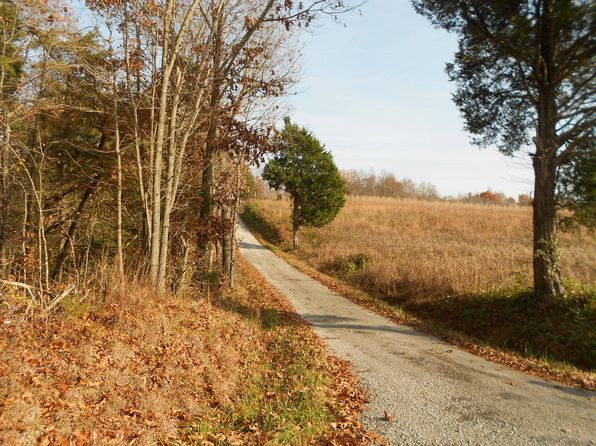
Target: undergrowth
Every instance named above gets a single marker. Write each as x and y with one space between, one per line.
137 368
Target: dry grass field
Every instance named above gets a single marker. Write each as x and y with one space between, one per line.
408 248
465 266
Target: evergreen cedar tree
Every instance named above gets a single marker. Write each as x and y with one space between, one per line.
306 171
525 75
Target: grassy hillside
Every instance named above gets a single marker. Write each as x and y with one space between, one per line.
463 267
145 370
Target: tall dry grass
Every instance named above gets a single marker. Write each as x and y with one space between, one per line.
404 249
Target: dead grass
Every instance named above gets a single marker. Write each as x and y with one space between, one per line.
408 248
142 369
457 268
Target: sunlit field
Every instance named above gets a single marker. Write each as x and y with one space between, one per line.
407 248
461 268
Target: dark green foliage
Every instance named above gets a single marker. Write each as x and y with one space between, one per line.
578 187
501 79
306 171
525 74
499 70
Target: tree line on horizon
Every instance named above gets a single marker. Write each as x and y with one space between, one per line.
369 184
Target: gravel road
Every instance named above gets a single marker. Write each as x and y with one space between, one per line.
435 393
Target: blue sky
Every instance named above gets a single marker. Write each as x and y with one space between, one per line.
376 94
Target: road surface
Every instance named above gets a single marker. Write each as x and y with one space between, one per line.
437 394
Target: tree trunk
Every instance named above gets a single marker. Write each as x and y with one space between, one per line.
296 238
170 192
232 271
547 276
167 65
296 225
206 205
4 191
134 105
226 253
117 149
211 146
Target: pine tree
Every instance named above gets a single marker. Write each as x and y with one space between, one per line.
525 75
306 171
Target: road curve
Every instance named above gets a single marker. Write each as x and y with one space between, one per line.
436 394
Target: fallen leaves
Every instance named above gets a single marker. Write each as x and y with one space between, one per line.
112 376
143 371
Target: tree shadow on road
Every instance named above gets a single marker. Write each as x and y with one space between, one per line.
348 323
261 226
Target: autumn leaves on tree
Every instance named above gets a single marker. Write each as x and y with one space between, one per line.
130 140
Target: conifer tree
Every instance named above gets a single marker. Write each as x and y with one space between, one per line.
306 171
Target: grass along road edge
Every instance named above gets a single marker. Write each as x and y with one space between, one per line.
552 370
243 369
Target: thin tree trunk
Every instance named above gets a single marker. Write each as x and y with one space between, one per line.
44 261
5 147
4 192
117 148
133 98
73 228
226 245
152 128
25 230
168 61
166 67
295 224
169 194
232 271
211 148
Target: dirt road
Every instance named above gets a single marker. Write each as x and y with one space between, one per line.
436 393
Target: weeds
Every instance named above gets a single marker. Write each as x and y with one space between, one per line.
131 366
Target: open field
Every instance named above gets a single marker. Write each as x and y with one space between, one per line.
467 267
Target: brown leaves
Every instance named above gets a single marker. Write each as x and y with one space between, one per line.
120 373
53 438
347 399
145 369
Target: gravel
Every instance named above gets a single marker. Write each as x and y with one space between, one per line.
433 393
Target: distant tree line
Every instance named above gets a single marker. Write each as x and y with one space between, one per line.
361 183
490 197
387 185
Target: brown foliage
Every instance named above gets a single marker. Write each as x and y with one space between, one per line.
143 369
